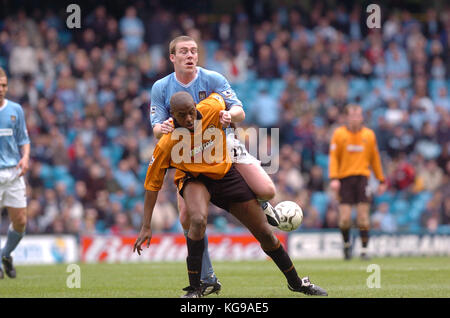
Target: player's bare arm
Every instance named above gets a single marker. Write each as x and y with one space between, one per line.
24 163
145 235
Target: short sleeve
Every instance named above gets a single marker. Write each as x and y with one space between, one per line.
157 167
158 111
21 132
222 86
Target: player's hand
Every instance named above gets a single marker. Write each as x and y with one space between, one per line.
225 118
335 185
144 235
167 126
382 187
23 166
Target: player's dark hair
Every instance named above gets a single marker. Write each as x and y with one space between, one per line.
180 98
349 107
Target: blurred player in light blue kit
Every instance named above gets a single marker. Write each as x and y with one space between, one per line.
14 163
200 83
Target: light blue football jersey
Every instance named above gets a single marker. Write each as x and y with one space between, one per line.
205 83
13 134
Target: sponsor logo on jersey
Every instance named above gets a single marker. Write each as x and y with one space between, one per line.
355 148
211 128
6 132
199 149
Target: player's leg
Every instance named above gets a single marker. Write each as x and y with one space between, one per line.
16 232
197 211
363 222
249 214
263 187
15 201
208 277
345 224
257 179
362 216
255 176
347 199
2 191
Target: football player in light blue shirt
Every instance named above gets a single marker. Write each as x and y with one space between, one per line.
14 163
204 83
200 83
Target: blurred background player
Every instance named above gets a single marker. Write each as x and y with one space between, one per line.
13 166
353 151
200 83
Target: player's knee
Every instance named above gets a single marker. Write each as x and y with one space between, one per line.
198 220
19 224
184 219
363 224
344 224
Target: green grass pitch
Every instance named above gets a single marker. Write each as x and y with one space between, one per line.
399 277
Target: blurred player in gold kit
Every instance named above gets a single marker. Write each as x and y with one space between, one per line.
353 154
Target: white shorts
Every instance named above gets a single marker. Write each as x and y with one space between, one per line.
12 189
238 153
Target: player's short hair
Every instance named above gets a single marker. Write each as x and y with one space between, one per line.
2 72
350 107
181 38
180 98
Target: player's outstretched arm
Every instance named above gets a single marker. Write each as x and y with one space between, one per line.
145 235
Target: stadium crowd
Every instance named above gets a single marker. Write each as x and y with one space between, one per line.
85 93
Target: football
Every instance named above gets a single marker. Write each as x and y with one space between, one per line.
291 215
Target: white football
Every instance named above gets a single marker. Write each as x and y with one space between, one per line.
290 214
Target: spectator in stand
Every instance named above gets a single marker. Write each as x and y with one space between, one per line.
311 219
382 219
431 216
132 29
266 66
165 217
445 211
316 180
83 93
126 178
403 175
23 59
331 218
442 101
265 110
431 176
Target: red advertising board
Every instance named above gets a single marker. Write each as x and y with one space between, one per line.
170 247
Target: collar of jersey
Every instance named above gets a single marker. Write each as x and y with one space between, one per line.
188 84
4 106
176 125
